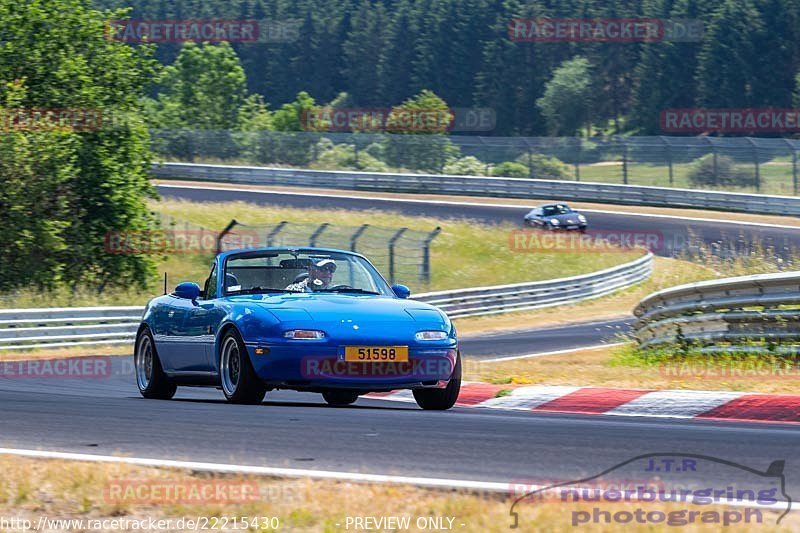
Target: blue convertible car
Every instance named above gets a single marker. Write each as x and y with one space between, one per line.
305 319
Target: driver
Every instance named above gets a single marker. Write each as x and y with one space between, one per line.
320 275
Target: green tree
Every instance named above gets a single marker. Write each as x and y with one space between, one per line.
727 62
418 139
567 96
203 89
66 189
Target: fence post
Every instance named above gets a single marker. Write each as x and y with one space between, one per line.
221 236
392 242
354 238
794 164
669 159
425 276
578 159
624 162
755 163
277 229
312 241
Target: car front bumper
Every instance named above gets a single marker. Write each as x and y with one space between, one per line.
323 367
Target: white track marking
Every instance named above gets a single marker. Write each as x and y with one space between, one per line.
478 204
527 398
220 468
675 403
556 352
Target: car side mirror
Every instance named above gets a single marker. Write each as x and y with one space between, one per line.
401 291
187 290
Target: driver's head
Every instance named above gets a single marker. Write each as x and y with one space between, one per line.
320 273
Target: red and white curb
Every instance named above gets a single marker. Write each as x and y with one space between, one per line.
694 404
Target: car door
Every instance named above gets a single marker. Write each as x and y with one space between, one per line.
537 216
198 333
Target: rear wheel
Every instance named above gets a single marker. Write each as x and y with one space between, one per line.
340 397
153 383
441 399
239 381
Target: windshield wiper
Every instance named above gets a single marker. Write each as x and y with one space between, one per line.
348 289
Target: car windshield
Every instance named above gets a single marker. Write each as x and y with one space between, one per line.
552 210
298 271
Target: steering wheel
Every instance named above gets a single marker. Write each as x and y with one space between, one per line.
337 287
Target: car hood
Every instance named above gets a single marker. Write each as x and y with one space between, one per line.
328 307
570 218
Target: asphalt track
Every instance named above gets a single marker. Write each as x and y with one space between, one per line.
531 341
673 235
105 415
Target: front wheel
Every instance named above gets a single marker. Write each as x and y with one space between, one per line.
441 399
340 397
153 383
239 381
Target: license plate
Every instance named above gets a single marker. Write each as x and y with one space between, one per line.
380 354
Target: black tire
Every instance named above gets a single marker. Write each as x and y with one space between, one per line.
238 380
441 399
151 380
340 398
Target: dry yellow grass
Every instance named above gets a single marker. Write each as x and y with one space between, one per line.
32 488
609 367
60 353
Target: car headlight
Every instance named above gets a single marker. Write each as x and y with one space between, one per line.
582 218
304 334
430 335
554 221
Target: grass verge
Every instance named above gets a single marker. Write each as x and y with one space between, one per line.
622 367
34 488
465 254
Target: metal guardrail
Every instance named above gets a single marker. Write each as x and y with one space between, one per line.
759 308
534 295
67 326
52 328
483 186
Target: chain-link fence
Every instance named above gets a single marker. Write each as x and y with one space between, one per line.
398 253
745 164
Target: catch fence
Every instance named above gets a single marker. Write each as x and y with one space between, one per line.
737 164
